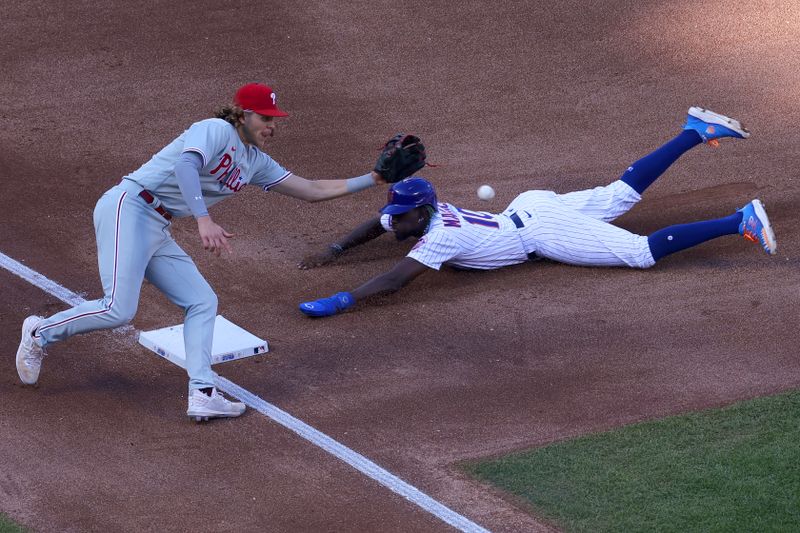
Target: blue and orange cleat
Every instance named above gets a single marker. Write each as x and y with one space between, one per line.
755 226
712 126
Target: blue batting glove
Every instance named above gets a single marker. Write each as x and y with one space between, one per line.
328 306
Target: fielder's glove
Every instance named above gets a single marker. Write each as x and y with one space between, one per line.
400 158
328 306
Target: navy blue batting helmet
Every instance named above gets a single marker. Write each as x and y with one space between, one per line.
409 193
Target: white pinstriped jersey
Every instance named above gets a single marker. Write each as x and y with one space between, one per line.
228 165
467 239
570 228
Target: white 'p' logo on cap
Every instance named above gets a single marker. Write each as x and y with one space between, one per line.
272 95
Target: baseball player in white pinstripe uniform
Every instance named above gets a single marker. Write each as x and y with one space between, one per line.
572 228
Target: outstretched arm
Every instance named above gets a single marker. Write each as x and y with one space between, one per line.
401 275
319 190
369 230
400 157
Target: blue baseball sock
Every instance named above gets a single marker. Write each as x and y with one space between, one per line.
645 171
682 236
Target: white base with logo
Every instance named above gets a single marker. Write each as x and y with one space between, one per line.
230 343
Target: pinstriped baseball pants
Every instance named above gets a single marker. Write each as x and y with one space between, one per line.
574 228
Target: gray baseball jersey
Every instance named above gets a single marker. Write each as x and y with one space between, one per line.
228 165
134 240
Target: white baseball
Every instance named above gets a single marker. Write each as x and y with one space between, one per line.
485 192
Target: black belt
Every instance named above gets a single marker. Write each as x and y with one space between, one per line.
149 198
518 223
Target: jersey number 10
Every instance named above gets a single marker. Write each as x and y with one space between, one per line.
481 219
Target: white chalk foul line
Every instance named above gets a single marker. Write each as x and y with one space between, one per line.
34 278
314 436
356 460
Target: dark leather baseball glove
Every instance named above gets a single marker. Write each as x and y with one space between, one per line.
400 158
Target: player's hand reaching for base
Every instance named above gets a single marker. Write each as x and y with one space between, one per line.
331 305
318 259
214 238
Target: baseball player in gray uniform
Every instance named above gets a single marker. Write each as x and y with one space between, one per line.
571 228
207 163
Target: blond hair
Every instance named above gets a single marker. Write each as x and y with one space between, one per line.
230 113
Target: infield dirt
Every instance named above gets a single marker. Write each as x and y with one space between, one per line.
456 366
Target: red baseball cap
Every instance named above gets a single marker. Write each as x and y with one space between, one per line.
258 98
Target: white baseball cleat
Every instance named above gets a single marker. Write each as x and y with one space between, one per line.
203 407
29 354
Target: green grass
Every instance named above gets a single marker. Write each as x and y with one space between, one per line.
731 469
8 526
